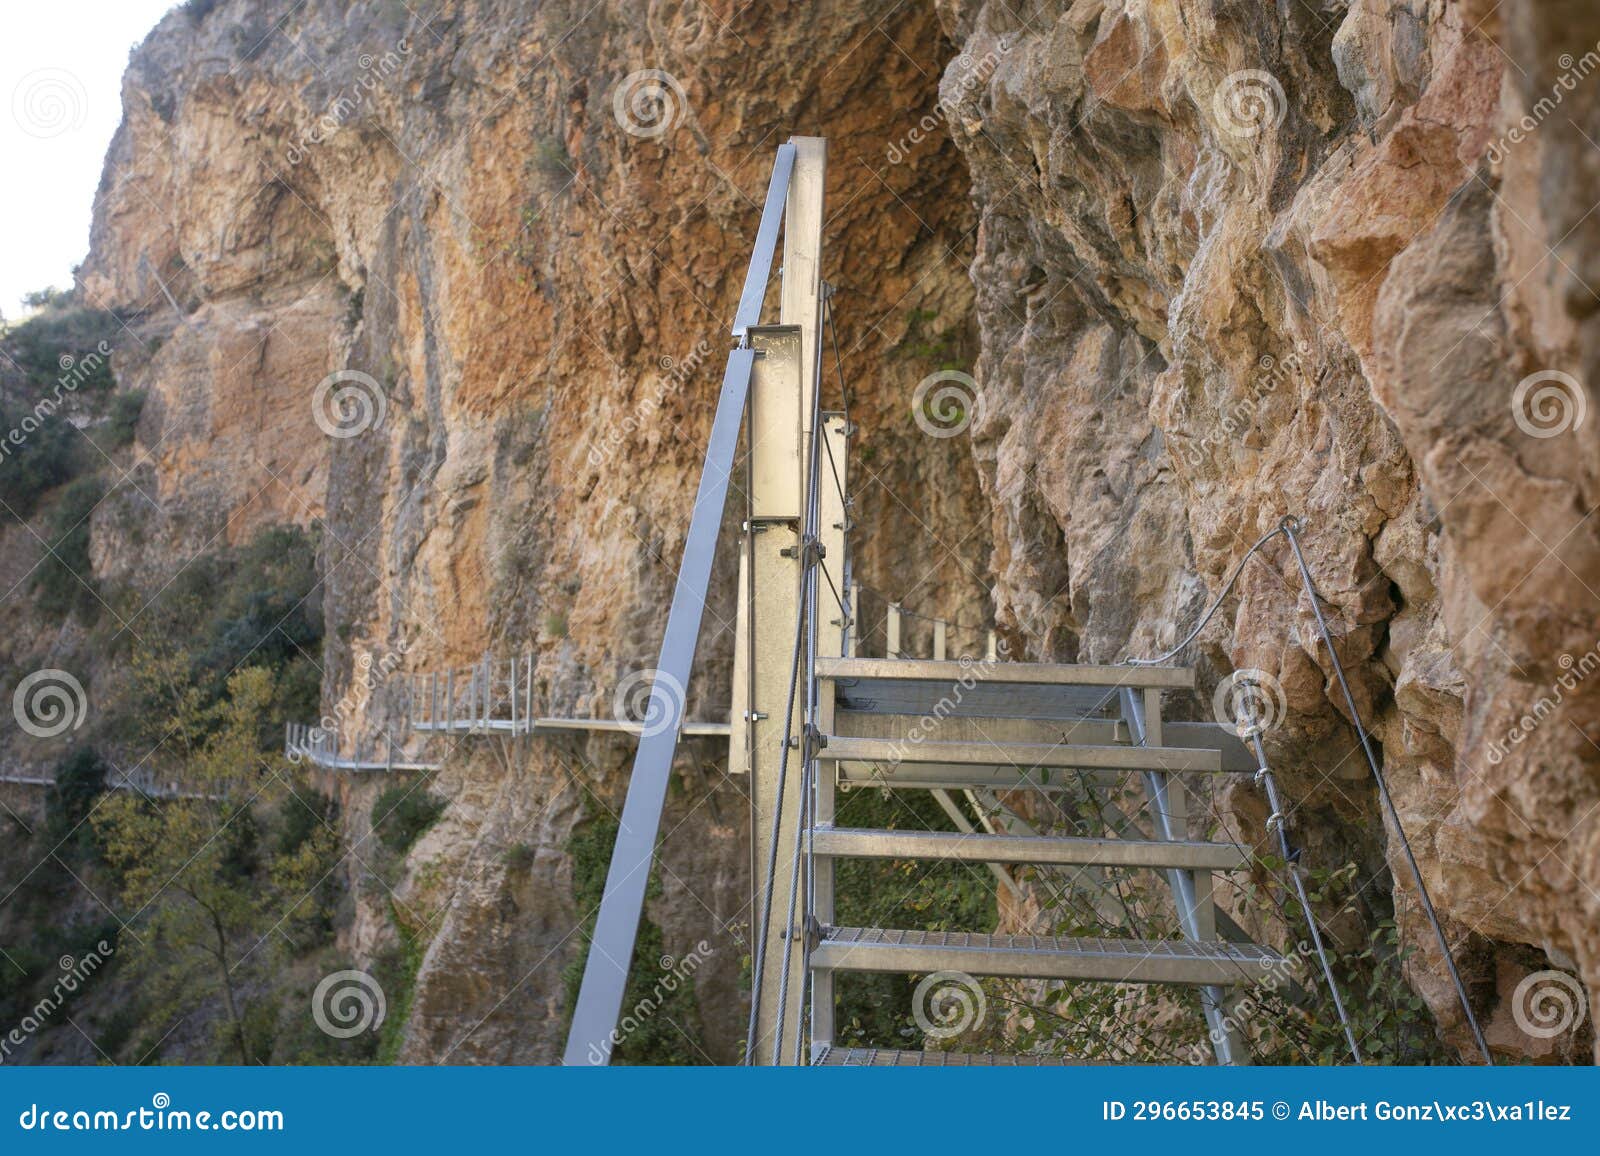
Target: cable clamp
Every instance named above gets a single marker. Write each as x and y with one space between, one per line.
1275 821
1262 774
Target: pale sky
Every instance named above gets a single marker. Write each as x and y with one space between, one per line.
61 65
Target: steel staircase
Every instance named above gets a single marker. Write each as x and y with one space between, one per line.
1017 727
811 718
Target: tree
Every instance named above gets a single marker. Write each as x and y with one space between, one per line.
213 901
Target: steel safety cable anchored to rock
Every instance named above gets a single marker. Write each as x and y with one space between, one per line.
1277 823
1288 526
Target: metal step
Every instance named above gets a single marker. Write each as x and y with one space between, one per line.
1021 755
896 1058
860 843
1015 673
988 690
1043 956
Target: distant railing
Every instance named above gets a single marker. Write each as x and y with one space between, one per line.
495 695
321 747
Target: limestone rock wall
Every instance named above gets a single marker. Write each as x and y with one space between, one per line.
1210 263
1237 261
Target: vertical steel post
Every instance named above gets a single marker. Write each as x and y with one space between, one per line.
782 420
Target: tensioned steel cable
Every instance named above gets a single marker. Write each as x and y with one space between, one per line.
1276 823
772 853
806 549
1288 526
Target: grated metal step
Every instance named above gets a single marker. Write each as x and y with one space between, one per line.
896 1058
859 843
1020 755
1015 673
1043 956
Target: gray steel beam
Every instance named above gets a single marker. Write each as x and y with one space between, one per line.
760 270
605 973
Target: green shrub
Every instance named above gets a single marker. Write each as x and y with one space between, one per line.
403 813
48 457
64 582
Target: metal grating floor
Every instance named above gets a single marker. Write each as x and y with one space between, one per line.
981 700
1043 956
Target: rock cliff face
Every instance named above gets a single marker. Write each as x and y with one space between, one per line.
1210 264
